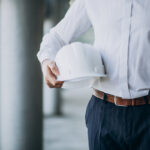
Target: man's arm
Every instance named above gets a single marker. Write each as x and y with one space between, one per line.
74 23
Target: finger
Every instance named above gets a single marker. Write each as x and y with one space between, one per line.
55 83
59 82
51 75
49 84
54 68
52 78
59 86
53 86
48 80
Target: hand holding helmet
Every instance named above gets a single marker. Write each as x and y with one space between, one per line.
50 73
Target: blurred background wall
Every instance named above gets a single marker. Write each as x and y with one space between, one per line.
33 116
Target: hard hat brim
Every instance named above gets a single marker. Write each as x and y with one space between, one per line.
80 83
80 77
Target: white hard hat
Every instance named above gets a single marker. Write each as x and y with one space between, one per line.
79 64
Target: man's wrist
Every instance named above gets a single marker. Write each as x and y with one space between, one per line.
45 60
43 63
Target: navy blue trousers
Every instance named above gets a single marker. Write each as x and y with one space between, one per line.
112 127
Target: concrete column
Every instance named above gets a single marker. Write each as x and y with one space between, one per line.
52 101
21 82
52 97
0 72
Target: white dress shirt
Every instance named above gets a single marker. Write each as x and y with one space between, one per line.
122 36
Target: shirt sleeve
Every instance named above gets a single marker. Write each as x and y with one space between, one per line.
74 23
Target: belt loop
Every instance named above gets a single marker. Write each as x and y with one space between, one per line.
105 97
148 94
133 102
146 99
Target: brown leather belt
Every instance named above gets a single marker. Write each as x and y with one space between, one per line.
120 101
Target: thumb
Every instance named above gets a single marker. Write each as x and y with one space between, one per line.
54 68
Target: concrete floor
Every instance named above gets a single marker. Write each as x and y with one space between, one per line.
68 132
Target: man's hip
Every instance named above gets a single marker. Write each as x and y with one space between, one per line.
120 101
111 127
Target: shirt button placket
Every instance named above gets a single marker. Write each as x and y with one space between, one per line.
126 28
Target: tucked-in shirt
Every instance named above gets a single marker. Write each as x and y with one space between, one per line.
122 37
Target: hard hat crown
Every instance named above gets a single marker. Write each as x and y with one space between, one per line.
79 61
